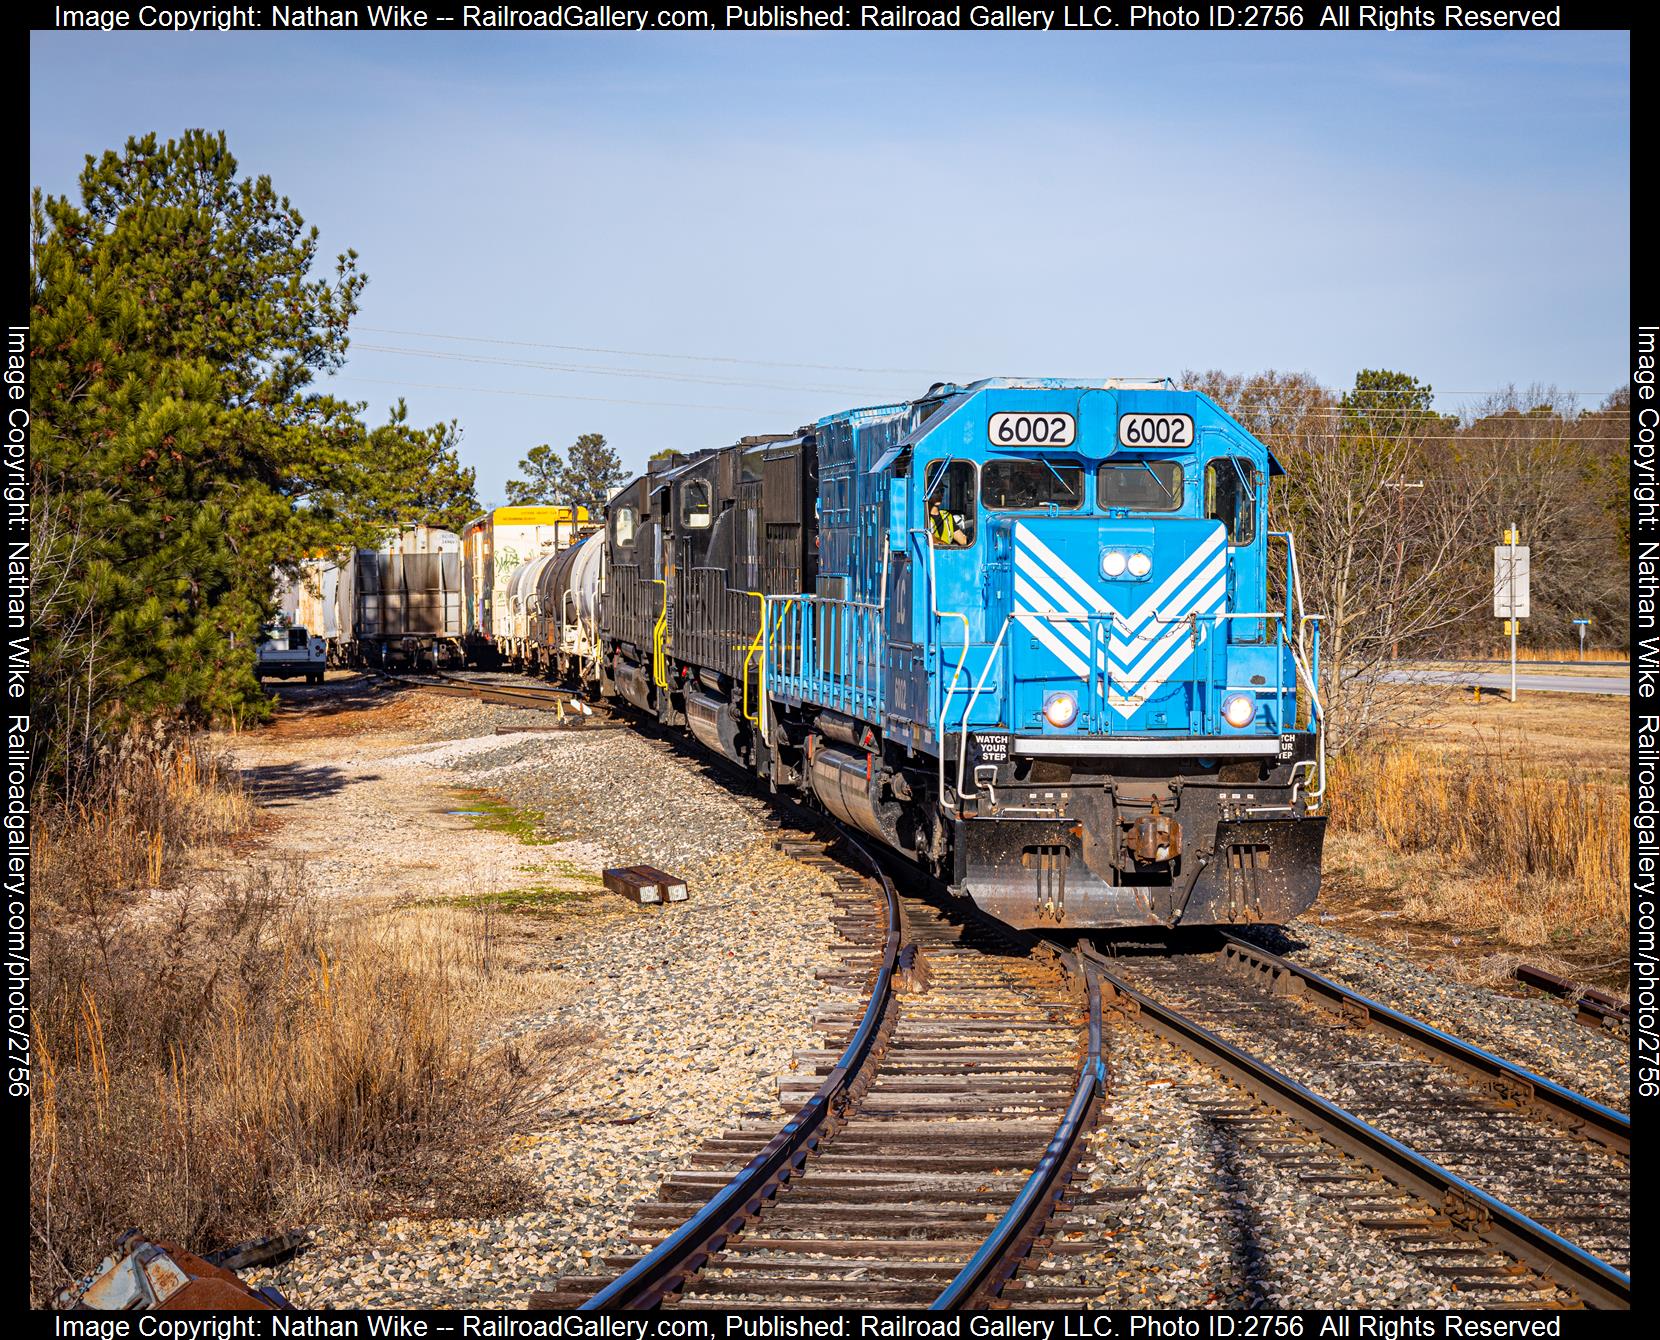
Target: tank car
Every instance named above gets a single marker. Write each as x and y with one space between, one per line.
1019 630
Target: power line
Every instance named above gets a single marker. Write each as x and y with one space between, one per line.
643 353
548 395
637 374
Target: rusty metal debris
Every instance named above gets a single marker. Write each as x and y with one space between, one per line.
1596 1009
141 1275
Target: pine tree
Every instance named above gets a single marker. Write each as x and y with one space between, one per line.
544 481
592 473
181 451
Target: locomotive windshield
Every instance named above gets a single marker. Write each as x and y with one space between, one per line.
1140 486
1022 486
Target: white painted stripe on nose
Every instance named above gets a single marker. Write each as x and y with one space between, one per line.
1092 598
1130 651
1044 633
1128 703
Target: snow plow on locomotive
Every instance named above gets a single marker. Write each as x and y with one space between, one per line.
1018 630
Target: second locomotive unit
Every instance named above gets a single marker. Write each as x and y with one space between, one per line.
1019 630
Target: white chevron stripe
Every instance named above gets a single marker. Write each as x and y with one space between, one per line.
1206 554
1044 633
1128 651
1145 650
1139 659
1059 598
1092 598
1030 602
1154 652
1128 704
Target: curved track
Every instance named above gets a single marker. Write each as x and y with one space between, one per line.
927 1154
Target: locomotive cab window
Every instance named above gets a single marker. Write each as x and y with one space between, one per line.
1030 486
1140 486
622 527
950 503
1231 497
696 511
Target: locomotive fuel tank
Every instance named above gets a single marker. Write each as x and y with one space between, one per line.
849 787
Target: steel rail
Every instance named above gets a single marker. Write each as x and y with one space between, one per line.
550 699
1597 1283
1579 1114
666 1268
1594 1007
995 1263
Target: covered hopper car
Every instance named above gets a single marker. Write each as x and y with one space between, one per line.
397 604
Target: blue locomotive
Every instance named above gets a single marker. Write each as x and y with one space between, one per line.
1018 630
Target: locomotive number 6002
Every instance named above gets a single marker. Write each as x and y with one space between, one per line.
1155 430
1032 430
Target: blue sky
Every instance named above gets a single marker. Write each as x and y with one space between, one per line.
849 217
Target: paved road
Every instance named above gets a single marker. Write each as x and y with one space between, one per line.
1527 681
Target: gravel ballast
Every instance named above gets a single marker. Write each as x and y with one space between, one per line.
688 1012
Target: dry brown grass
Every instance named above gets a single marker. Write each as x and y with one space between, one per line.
231 1058
157 802
1495 837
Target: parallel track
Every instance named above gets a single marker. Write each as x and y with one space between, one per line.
1447 1122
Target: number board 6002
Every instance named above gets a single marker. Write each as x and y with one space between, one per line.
1155 430
1032 430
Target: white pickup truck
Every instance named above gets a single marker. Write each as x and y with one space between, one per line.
288 650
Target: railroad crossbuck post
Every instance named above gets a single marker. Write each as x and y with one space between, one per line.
1510 592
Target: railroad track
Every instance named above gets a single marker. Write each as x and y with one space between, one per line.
1497 1159
569 707
967 1031
1508 1186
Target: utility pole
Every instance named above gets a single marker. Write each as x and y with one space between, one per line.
1515 624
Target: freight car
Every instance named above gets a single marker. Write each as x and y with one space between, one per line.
495 548
1019 630
397 604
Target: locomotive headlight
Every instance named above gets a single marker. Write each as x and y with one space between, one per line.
1060 710
1113 563
1239 710
1140 565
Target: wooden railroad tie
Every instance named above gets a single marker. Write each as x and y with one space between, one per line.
645 884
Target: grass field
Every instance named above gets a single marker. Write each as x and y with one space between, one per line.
1490 829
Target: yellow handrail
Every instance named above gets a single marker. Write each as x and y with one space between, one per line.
759 645
659 636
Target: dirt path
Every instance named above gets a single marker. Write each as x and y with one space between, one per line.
683 1016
